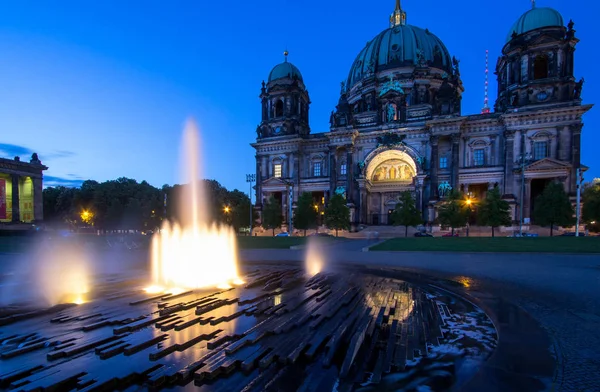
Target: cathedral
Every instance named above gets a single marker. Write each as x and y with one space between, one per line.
398 125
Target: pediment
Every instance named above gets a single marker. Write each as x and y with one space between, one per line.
273 181
548 164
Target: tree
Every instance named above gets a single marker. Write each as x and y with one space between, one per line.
553 207
453 212
305 215
494 211
272 216
337 214
406 213
591 206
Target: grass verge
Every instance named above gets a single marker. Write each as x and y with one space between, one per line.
498 245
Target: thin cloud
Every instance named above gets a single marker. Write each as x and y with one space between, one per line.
59 154
12 150
52 181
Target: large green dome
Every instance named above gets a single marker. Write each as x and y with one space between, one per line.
285 70
536 18
396 47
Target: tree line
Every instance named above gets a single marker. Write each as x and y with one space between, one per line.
125 204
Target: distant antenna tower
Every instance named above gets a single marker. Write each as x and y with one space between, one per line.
486 107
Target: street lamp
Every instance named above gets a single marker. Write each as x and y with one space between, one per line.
250 178
523 158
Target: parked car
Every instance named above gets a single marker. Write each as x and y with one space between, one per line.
320 235
450 235
572 234
517 234
285 234
422 234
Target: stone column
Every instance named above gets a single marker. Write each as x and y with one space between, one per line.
527 199
264 167
433 166
564 144
518 143
364 207
284 205
455 160
16 210
575 155
509 160
381 209
332 170
349 174
38 200
257 190
553 153
296 177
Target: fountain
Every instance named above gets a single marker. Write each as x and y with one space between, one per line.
195 253
315 257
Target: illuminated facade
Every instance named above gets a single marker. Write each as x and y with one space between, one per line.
399 126
21 190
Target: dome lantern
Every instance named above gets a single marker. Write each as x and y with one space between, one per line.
398 17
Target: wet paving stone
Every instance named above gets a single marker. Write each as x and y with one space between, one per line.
279 331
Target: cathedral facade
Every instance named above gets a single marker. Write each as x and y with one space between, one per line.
398 125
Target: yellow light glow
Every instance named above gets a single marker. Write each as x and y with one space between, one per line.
227 209
175 291
465 281
86 216
469 202
154 290
194 257
314 258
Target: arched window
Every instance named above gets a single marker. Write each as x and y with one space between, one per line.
279 108
540 67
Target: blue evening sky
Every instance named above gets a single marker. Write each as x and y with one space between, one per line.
102 89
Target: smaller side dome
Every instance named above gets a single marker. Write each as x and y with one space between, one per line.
534 19
285 70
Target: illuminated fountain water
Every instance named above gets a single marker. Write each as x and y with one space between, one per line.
315 257
195 253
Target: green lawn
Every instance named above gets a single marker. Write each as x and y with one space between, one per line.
488 244
276 242
16 244
22 243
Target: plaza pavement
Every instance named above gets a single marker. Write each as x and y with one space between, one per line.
560 291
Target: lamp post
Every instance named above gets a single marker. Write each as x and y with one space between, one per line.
522 158
250 179
579 177
290 187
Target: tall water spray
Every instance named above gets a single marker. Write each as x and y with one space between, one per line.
194 253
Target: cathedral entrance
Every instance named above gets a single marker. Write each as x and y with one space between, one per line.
537 188
388 174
